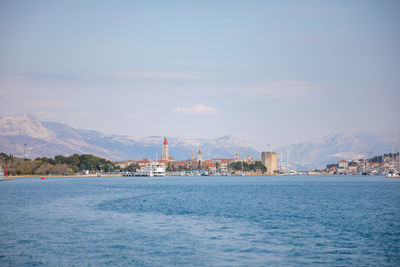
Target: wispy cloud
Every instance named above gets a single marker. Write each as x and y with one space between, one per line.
139 74
282 89
348 155
118 74
48 76
196 110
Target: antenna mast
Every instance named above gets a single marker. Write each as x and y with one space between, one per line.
25 152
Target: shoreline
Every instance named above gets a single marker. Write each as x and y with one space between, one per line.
60 176
121 175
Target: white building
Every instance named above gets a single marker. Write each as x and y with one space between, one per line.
343 164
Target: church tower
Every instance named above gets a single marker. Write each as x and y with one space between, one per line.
165 150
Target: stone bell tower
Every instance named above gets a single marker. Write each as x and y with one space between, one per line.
165 150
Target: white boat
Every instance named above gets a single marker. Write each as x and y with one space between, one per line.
152 170
393 173
158 170
242 173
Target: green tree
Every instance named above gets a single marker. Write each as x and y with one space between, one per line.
132 167
59 165
60 159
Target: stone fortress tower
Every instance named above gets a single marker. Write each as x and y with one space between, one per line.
199 159
270 161
165 155
199 156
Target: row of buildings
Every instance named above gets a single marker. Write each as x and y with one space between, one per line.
379 165
196 162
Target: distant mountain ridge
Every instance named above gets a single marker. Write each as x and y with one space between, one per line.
53 138
349 145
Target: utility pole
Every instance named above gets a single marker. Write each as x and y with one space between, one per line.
25 152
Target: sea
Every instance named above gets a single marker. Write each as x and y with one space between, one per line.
200 221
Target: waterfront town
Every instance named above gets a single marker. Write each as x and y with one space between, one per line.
378 165
269 165
196 165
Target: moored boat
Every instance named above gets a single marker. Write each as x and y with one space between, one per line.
393 173
152 170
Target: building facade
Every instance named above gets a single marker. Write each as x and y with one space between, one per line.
343 164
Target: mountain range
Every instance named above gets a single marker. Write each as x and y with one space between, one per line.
53 138
349 145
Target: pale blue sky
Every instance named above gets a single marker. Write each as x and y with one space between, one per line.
265 71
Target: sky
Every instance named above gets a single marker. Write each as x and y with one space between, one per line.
276 72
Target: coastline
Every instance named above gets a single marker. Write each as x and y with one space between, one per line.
120 175
60 176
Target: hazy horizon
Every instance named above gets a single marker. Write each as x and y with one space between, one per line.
267 72
392 135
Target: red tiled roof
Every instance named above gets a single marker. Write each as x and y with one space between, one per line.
165 141
209 164
223 160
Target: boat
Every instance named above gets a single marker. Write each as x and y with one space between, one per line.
152 170
393 173
242 173
158 170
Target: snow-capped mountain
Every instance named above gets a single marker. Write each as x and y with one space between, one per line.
348 145
25 125
52 138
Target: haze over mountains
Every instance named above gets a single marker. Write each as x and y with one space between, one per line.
52 138
349 145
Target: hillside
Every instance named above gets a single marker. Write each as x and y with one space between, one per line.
52 138
330 149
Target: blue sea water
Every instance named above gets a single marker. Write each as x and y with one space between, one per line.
200 221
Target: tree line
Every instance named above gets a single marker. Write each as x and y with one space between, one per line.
247 167
58 165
